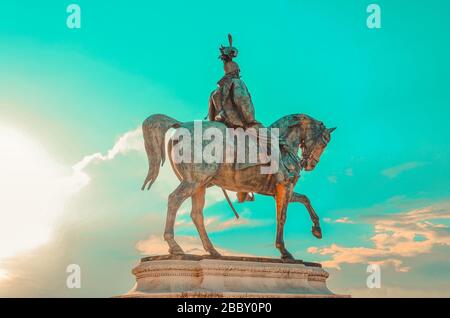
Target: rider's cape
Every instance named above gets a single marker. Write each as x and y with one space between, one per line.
233 100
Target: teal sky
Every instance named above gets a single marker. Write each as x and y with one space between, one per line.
74 92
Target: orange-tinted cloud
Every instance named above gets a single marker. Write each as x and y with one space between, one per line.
396 236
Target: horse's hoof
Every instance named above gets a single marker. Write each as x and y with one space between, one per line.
215 254
176 251
317 232
286 256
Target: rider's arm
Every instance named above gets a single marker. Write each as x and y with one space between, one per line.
211 108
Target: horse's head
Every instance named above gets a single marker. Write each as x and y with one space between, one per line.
300 131
314 140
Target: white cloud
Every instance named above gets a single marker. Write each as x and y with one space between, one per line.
219 225
345 220
3 274
129 141
396 170
222 222
155 245
32 193
216 224
35 189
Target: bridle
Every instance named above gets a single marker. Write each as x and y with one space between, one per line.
308 154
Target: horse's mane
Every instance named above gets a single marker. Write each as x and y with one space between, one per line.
286 121
284 124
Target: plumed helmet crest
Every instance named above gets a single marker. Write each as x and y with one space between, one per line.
227 53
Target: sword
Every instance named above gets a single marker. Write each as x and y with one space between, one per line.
229 202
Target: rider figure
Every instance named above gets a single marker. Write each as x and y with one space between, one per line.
231 104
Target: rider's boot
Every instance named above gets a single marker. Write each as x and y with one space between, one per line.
244 196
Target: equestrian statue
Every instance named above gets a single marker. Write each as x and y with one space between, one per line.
231 107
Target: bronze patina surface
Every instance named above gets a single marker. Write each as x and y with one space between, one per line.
231 107
192 257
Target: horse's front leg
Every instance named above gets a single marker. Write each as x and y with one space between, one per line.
282 197
301 198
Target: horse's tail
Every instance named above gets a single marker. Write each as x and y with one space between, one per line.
154 129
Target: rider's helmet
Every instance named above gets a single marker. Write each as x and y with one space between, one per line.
227 53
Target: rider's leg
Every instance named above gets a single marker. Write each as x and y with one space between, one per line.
244 196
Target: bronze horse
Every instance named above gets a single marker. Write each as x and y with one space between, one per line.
298 132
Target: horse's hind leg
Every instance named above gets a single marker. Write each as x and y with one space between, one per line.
176 198
198 203
301 198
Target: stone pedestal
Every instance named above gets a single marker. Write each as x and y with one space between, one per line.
191 276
